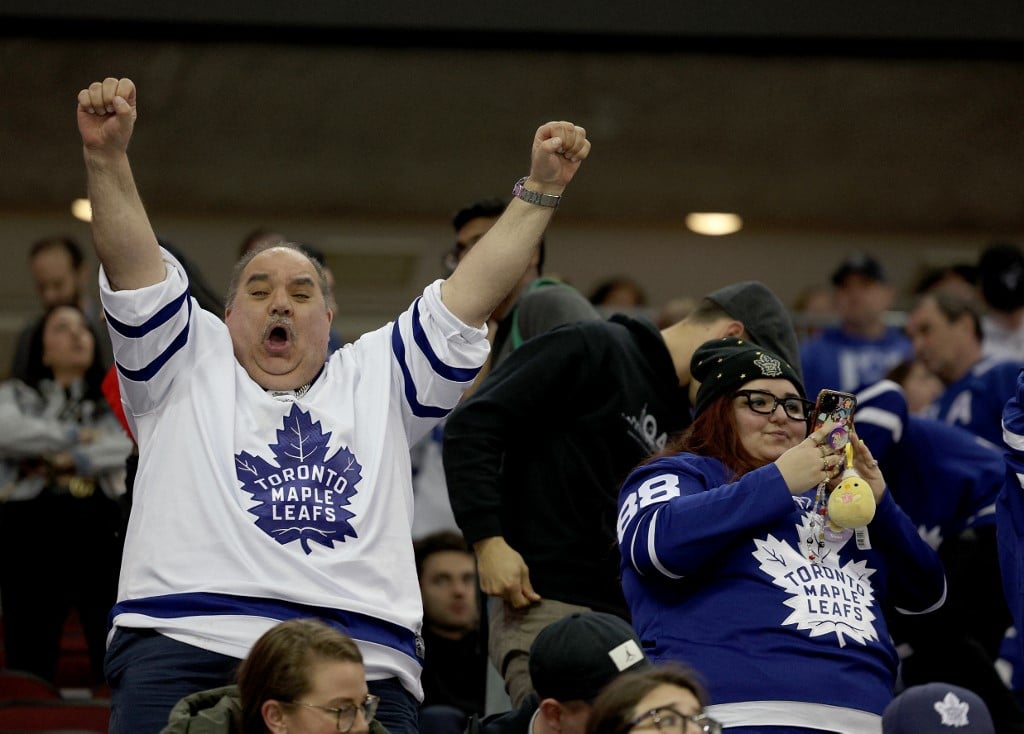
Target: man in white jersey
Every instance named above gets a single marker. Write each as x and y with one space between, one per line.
274 478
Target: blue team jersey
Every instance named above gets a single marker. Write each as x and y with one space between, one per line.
1010 508
976 400
717 574
838 361
945 478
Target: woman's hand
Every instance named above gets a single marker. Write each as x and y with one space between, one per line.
810 462
867 467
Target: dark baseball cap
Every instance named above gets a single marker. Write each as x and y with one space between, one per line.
574 658
934 708
858 263
1001 276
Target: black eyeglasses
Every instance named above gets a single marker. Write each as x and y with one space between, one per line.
670 721
765 403
346 714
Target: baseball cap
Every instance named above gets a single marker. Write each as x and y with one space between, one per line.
937 708
763 315
574 658
1001 276
858 263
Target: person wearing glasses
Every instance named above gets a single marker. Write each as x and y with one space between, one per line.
302 676
729 559
665 699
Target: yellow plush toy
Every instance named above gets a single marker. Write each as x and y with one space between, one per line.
851 504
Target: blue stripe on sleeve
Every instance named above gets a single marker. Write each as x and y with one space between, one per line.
147 372
455 374
419 410
202 604
155 321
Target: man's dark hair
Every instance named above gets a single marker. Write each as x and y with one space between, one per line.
953 308
36 370
442 540
66 244
965 271
490 208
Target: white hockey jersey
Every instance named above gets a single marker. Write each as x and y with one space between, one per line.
251 508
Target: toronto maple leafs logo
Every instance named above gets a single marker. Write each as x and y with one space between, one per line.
305 495
769 366
824 597
952 710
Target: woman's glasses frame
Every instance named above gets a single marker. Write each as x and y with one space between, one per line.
346 715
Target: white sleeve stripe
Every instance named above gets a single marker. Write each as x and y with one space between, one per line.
882 386
632 550
651 549
1014 440
932 608
883 419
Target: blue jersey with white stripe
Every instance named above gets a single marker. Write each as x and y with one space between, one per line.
841 361
716 573
1010 509
976 400
251 507
944 477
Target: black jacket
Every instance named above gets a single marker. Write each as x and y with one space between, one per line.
537 454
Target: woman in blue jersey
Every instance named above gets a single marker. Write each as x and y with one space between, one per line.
730 563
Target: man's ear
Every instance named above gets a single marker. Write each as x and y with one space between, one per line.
551 712
732 328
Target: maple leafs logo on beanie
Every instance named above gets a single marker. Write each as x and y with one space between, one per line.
304 496
769 366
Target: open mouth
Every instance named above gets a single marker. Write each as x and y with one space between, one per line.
277 338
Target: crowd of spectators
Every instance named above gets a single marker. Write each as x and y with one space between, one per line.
629 529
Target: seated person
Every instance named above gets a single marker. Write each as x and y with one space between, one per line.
666 698
571 660
302 676
455 654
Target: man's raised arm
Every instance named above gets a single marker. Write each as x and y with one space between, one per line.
124 239
494 266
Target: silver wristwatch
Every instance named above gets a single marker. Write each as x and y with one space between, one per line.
533 197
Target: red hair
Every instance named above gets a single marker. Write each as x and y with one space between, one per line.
714 433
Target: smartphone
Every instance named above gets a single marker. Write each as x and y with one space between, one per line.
837 407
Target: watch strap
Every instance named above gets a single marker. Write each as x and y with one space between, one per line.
533 197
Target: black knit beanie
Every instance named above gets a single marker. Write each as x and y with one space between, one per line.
723 365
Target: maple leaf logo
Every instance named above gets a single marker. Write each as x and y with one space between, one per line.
824 597
952 710
305 494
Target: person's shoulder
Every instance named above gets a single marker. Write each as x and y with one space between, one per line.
896 335
822 342
997 368
677 463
